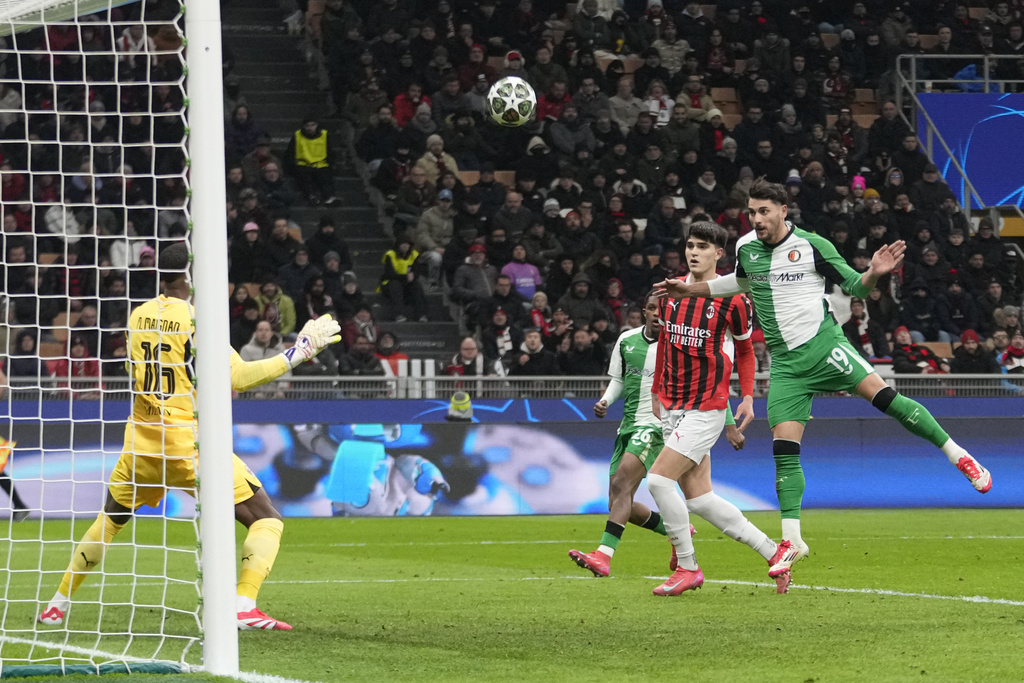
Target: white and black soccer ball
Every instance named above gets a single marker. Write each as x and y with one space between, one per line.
512 101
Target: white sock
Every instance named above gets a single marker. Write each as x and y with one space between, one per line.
244 604
60 601
676 517
953 451
791 531
726 517
606 549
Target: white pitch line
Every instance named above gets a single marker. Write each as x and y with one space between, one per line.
981 599
245 676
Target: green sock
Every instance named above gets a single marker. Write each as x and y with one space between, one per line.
611 536
916 419
789 478
655 523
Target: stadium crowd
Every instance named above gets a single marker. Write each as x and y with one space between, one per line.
540 239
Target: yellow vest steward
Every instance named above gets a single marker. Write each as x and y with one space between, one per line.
401 265
311 153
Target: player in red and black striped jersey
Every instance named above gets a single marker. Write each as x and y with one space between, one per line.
698 340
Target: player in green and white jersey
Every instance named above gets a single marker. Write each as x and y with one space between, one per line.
784 269
639 439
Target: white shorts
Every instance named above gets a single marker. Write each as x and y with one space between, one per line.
692 433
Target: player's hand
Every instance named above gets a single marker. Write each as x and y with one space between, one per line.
888 258
745 413
656 406
601 409
316 335
735 437
673 287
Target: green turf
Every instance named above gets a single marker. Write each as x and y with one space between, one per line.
497 599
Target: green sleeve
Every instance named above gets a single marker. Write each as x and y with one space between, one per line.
829 263
728 415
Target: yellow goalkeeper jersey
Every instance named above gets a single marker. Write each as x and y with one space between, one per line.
161 365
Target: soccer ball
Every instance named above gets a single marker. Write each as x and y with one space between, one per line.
512 101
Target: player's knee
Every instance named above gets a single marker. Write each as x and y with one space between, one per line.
884 398
657 481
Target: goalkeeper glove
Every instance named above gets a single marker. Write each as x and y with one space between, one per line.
316 335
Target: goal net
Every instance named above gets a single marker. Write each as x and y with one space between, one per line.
93 162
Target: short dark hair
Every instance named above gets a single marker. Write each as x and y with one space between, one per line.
173 262
710 232
766 191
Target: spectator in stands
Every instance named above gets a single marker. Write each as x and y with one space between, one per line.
277 192
380 139
925 316
470 362
708 193
404 107
1012 357
360 360
972 357
24 362
994 299
513 216
933 270
987 243
577 242
435 161
473 282
590 101
499 248
955 250
501 337
314 302
1007 318
394 169
250 257
241 135
625 106
914 164
772 51
434 232
265 343
864 334
580 302
310 156
525 276
326 239
361 324
277 308
570 131
293 276
142 280
399 282
909 358
888 130
389 352
533 359
253 163
244 326
281 246
414 196
541 246
584 358
963 310
928 193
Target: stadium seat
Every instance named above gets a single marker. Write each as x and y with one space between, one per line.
506 178
723 95
865 95
296 234
940 349
47 258
254 289
496 63
830 40
469 178
929 40
53 350
977 13
865 120
830 121
709 11
62 324
632 63
731 120
741 64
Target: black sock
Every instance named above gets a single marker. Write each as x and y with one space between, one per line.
614 529
653 521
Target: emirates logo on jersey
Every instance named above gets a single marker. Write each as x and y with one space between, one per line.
710 312
794 256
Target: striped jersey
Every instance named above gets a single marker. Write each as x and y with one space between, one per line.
633 361
786 282
696 350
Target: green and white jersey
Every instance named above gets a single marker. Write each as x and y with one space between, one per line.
633 361
786 282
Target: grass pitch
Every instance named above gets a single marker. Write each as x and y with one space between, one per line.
884 596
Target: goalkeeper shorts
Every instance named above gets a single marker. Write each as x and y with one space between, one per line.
143 479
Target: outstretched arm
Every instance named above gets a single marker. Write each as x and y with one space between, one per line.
316 335
727 285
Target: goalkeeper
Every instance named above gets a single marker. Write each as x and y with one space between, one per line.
159 439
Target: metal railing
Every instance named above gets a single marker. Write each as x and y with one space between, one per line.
441 388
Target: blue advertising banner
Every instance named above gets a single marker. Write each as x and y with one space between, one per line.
441 468
981 130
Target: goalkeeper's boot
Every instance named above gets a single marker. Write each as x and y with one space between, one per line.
682 580
5 451
673 562
786 555
979 477
254 620
51 617
596 561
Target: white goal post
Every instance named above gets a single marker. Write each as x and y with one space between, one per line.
111 147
